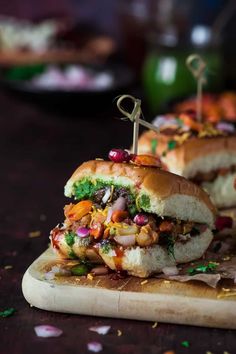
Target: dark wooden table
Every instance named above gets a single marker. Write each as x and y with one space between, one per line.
39 151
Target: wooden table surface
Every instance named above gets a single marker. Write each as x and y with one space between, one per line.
39 151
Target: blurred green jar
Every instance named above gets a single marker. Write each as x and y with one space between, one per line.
166 76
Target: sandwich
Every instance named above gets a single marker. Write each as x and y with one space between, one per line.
204 153
215 107
133 218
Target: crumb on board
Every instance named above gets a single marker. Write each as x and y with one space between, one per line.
33 234
154 324
225 289
119 333
144 282
226 258
166 281
90 276
8 267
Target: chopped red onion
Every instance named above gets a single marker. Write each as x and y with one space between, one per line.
127 240
106 195
170 270
46 331
141 219
109 215
225 127
100 329
119 204
83 232
223 222
94 347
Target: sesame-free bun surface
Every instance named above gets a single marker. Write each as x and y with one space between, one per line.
170 195
194 155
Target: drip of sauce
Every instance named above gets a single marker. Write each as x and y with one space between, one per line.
118 258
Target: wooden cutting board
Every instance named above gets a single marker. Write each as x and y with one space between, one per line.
192 303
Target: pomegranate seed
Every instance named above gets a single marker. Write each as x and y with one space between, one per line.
141 219
119 155
223 222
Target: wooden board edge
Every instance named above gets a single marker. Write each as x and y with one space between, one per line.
128 305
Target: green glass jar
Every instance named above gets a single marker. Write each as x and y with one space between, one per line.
166 76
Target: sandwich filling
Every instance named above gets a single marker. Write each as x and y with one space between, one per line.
110 218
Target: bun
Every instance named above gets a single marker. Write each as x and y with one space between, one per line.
169 194
194 155
143 262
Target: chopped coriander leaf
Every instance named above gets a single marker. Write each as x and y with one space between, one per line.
170 245
72 255
209 268
106 246
185 344
70 238
154 145
80 269
144 202
8 312
171 144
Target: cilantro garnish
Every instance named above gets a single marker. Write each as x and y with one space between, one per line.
72 255
154 145
171 144
170 245
106 246
209 268
185 344
70 238
8 312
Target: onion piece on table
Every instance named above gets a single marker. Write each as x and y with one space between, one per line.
47 331
94 347
100 329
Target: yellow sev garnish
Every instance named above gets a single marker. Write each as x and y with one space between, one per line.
208 130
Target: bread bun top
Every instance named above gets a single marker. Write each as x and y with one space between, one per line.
169 194
193 155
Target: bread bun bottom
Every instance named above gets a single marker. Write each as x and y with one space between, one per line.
143 262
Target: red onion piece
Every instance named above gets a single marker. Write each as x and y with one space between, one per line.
109 215
119 204
141 219
106 195
100 329
128 240
170 270
47 331
94 347
118 155
223 222
225 127
83 232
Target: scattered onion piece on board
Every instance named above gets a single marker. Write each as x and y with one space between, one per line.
100 329
47 331
94 347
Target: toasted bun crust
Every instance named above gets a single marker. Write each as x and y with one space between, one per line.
142 262
170 195
194 155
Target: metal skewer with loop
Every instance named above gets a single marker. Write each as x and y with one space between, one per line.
197 66
134 117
